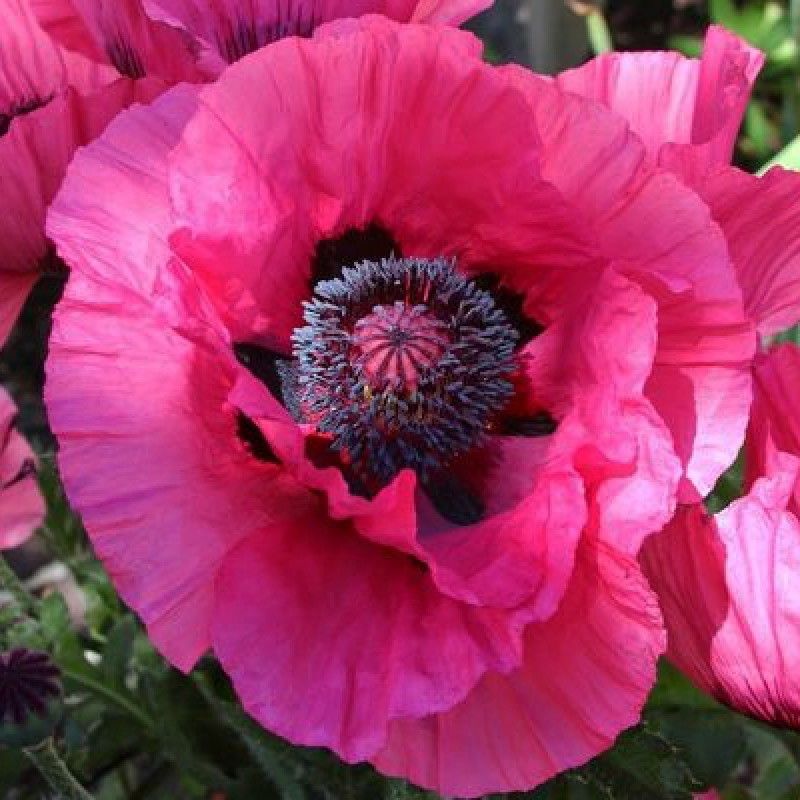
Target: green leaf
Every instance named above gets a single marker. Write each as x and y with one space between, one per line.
711 742
674 690
788 158
11 769
724 12
258 743
400 790
118 650
730 487
54 617
761 134
691 46
642 765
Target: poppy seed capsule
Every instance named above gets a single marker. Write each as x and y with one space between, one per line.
30 697
403 362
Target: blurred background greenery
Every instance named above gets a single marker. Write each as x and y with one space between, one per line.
134 729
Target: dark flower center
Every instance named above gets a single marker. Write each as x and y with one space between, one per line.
19 110
28 681
403 362
123 55
238 37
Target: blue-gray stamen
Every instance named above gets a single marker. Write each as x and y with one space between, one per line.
403 362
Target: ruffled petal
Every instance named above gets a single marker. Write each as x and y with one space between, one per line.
308 604
133 341
593 366
687 112
33 160
119 32
755 653
685 564
223 31
662 235
585 676
448 12
31 69
727 586
53 103
519 557
761 221
774 422
21 504
356 138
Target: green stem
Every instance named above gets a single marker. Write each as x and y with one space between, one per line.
794 17
13 585
45 758
599 32
98 688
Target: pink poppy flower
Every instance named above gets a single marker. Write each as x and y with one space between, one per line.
51 102
21 504
405 515
727 582
686 111
186 39
724 582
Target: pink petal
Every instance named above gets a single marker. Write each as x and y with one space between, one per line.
774 422
661 234
33 159
519 557
223 31
609 341
755 652
62 20
567 702
30 66
727 589
448 12
21 505
687 112
119 33
139 430
77 99
761 221
268 194
685 566
306 603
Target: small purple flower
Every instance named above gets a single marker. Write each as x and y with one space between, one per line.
29 681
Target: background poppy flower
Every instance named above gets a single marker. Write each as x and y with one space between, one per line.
409 611
724 581
21 504
51 102
187 39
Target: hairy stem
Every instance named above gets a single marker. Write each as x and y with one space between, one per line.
45 758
